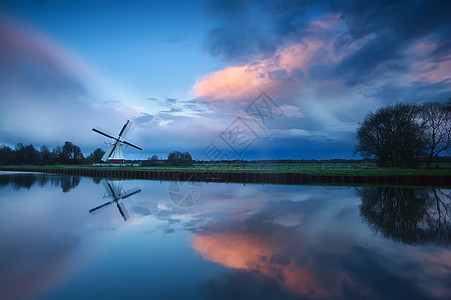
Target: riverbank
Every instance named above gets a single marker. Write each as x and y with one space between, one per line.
420 177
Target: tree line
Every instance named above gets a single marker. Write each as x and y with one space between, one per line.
402 134
66 154
175 158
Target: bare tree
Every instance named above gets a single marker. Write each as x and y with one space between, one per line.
437 123
392 135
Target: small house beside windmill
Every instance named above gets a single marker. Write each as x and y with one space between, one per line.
115 153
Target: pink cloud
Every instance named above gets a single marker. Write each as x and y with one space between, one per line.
44 82
438 263
254 253
230 83
286 69
276 74
432 71
425 68
326 22
423 47
20 43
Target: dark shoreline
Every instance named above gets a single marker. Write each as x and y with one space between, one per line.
257 178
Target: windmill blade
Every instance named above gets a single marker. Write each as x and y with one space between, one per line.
109 189
96 209
123 128
136 150
104 130
116 185
131 145
103 133
123 211
130 193
127 128
108 153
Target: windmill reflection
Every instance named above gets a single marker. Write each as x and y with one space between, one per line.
116 192
410 216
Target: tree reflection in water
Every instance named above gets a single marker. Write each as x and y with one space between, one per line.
19 181
411 216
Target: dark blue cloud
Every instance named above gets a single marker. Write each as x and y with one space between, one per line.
374 272
252 29
393 26
144 118
239 41
416 91
28 63
194 107
244 285
372 59
406 19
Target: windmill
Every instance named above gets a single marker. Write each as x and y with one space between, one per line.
115 154
116 192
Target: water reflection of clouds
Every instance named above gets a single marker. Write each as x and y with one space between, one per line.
438 263
262 244
45 231
317 254
34 251
27 273
280 242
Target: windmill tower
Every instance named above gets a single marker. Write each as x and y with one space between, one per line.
115 153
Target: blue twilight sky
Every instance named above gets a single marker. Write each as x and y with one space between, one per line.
187 73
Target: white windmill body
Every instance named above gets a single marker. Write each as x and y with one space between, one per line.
115 153
115 156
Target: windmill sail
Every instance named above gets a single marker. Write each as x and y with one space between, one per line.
117 154
98 208
124 129
131 145
131 192
108 152
108 188
123 211
103 133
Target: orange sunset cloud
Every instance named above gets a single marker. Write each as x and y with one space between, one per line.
278 73
253 253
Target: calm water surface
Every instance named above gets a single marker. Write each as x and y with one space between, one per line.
66 237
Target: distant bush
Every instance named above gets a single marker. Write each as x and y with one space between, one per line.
177 158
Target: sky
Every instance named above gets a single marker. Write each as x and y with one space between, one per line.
218 79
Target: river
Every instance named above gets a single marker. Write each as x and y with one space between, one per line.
72 237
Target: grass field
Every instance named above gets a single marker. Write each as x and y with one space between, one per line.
314 169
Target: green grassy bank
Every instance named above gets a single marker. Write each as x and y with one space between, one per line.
313 169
